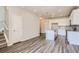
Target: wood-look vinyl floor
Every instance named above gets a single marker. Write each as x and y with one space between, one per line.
40 45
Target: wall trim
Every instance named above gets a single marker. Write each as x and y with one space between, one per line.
6 38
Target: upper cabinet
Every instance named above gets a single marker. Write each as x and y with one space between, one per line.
75 17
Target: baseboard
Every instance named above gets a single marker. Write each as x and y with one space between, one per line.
9 44
31 37
43 35
7 40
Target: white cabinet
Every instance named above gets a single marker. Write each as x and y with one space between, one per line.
75 17
62 32
50 35
72 37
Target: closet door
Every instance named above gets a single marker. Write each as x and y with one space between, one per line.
16 32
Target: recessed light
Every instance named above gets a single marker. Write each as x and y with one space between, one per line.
34 10
59 10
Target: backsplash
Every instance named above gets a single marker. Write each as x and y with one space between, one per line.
70 28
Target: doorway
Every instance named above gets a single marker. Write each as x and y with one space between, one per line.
54 26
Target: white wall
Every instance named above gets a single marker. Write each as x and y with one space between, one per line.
44 24
64 21
2 17
30 24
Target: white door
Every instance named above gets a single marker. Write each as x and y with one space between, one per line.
16 28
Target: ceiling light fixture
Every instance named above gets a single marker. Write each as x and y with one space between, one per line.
41 17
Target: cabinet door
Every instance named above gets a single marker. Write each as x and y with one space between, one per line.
75 17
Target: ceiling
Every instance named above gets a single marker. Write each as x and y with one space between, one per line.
50 11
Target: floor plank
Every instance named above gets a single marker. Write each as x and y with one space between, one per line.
40 45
